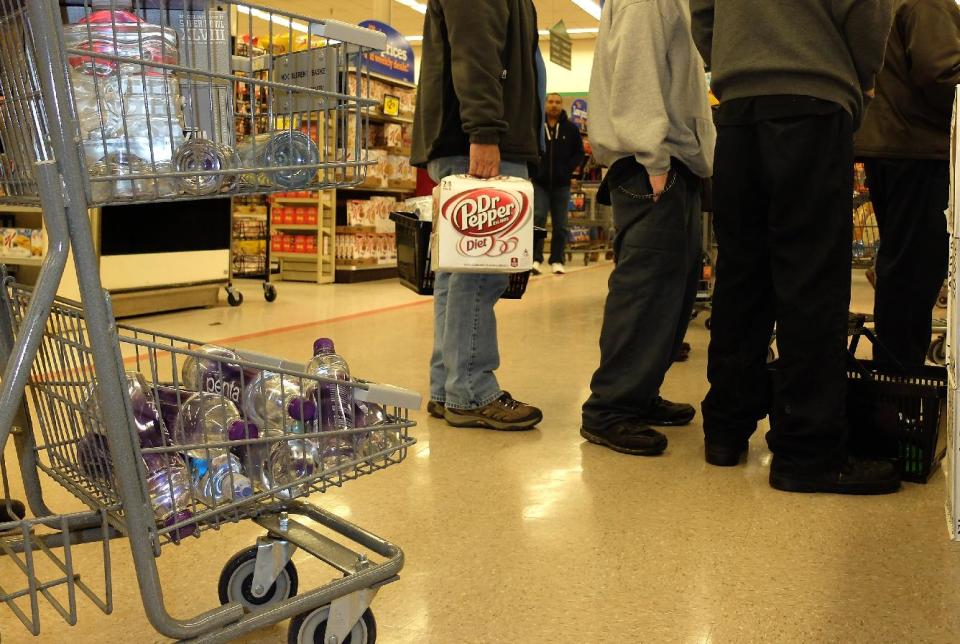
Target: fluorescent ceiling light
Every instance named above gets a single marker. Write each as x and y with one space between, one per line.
590 6
280 21
413 4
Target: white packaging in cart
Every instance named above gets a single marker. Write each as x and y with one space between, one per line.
483 225
422 207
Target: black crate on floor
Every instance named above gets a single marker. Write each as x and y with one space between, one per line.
413 258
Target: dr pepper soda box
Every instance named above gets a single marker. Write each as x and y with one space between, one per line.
483 225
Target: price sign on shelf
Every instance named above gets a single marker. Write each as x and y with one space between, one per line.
391 105
396 61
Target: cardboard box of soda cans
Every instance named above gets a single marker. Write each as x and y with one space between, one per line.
483 225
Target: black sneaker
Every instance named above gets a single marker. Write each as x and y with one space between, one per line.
724 455
856 476
663 413
629 438
435 409
504 414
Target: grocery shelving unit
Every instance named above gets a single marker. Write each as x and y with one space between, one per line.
22 217
314 262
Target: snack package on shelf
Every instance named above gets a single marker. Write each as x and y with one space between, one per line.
393 136
381 208
402 174
357 212
408 101
22 242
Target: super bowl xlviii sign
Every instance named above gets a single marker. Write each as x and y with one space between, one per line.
396 61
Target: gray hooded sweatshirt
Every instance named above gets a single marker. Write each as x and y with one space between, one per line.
648 90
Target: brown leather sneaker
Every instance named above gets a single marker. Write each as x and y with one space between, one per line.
503 414
435 409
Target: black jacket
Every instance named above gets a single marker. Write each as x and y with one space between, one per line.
563 154
910 118
478 80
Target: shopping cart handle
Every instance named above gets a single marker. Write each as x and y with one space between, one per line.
388 395
336 30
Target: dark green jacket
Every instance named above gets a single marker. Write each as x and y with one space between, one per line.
910 118
478 80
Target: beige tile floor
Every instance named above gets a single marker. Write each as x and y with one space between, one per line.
539 537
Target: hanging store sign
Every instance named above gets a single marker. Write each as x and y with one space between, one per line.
396 61
561 46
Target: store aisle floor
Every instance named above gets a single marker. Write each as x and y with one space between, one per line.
539 537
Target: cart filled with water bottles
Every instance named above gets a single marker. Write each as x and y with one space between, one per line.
163 438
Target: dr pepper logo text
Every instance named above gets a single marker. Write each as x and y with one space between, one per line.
485 217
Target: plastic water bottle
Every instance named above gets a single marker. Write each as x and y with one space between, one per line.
216 372
275 402
168 485
220 480
207 418
280 464
374 416
150 430
336 403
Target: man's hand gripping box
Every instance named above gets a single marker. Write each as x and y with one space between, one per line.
483 225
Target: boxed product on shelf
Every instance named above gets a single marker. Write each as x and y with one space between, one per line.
358 212
393 135
380 208
422 207
400 173
408 101
22 242
483 225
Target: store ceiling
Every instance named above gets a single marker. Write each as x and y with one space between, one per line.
410 22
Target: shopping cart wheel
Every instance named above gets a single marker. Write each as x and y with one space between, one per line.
269 292
236 582
308 628
11 510
937 353
234 298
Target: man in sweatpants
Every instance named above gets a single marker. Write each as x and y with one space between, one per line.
792 84
650 122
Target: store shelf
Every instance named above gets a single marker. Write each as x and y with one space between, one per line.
378 117
309 200
20 261
310 227
5 208
371 267
388 190
281 255
250 215
386 79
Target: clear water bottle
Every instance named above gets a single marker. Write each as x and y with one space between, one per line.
336 403
150 430
292 148
375 417
220 480
207 418
282 464
200 154
168 485
275 402
216 372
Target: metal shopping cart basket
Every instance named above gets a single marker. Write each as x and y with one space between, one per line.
104 105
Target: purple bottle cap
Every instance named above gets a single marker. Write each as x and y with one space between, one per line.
323 345
241 430
302 409
184 531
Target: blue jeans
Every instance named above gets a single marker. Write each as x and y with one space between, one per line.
465 351
554 201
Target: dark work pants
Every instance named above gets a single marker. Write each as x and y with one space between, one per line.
783 217
651 295
909 198
553 201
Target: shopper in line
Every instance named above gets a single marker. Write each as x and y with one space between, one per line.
792 87
551 183
904 144
478 112
651 124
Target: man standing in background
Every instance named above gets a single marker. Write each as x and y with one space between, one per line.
551 184
792 85
651 123
479 112
904 144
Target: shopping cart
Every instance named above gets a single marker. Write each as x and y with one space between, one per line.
90 116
